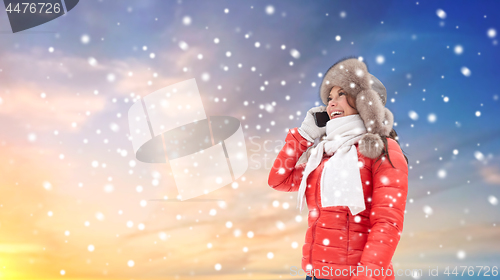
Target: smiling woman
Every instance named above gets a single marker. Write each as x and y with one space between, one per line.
355 181
339 103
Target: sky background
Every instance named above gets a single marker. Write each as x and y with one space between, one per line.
75 203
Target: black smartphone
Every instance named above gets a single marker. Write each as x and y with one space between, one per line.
321 118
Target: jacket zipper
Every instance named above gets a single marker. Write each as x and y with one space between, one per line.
347 215
314 225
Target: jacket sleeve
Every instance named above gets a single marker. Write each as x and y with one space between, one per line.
284 176
388 202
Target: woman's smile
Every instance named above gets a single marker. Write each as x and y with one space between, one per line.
336 114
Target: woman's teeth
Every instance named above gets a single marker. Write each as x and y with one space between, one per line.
335 113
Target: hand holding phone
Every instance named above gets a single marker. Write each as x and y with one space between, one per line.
309 128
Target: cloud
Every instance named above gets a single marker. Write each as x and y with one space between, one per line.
69 82
491 174
24 105
65 85
9 248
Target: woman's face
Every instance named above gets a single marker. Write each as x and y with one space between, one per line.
337 102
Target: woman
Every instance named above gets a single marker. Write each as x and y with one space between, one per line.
355 180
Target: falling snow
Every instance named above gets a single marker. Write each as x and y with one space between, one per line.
68 135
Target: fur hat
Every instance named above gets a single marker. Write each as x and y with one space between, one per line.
370 94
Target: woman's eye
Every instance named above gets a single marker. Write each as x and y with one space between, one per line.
341 93
328 99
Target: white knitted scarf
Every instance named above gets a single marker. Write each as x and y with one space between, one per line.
340 180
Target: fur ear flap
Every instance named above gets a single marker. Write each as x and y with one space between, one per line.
371 110
371 145
387 123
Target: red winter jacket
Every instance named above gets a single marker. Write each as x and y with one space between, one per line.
339 245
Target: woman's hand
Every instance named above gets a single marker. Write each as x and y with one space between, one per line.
309 130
